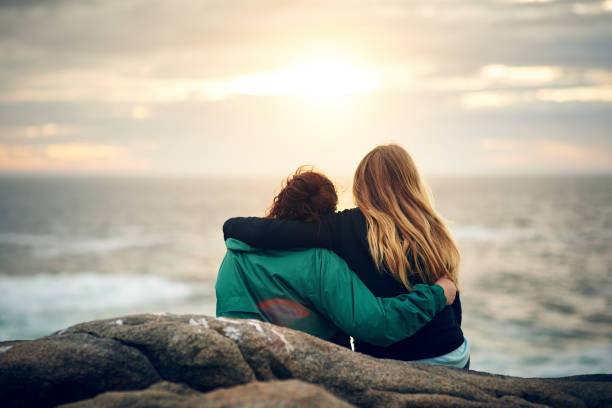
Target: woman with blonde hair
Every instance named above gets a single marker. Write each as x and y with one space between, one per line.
393 240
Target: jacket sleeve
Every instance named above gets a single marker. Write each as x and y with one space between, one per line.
340 296
271 233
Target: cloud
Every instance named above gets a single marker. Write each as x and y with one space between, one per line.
140 112
68 157
316 76
531 84
497 77
74 85
203 80
43 131
520 75
494 99
19 158
81 151
559 151
543 153
577 94
502 99
497 144
187 38
587 9
532 1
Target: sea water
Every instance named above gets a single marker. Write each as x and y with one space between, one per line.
536 271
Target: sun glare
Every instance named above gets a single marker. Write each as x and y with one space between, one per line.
321 79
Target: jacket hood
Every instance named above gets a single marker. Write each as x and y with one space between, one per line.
236 245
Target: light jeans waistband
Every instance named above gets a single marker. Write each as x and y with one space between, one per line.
456 358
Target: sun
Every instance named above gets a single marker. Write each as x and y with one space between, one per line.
323 79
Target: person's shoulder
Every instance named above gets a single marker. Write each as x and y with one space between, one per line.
328 257
350 214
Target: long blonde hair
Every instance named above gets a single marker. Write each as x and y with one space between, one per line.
405 234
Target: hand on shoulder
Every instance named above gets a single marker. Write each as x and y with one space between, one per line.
450 290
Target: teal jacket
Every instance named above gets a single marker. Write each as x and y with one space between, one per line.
313 290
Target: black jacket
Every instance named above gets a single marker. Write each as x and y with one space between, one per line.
345 233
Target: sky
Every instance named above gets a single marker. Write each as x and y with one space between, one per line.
242 87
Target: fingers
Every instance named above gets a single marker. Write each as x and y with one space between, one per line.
450 290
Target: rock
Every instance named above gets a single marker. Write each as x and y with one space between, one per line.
189 356
161 394
271 394
74 366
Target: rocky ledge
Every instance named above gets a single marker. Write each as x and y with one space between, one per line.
202 361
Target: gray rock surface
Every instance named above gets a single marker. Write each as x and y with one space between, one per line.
192 360
269 394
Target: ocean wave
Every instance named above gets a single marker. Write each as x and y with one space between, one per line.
565 234
592 359
49 246
35 306
91 292
30 240
479 233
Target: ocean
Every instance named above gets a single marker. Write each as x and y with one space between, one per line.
536 271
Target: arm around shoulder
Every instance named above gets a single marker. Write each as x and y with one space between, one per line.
273 233
350 305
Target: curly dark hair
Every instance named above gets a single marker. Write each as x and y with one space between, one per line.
306 196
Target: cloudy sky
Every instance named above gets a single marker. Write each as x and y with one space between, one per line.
244 87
